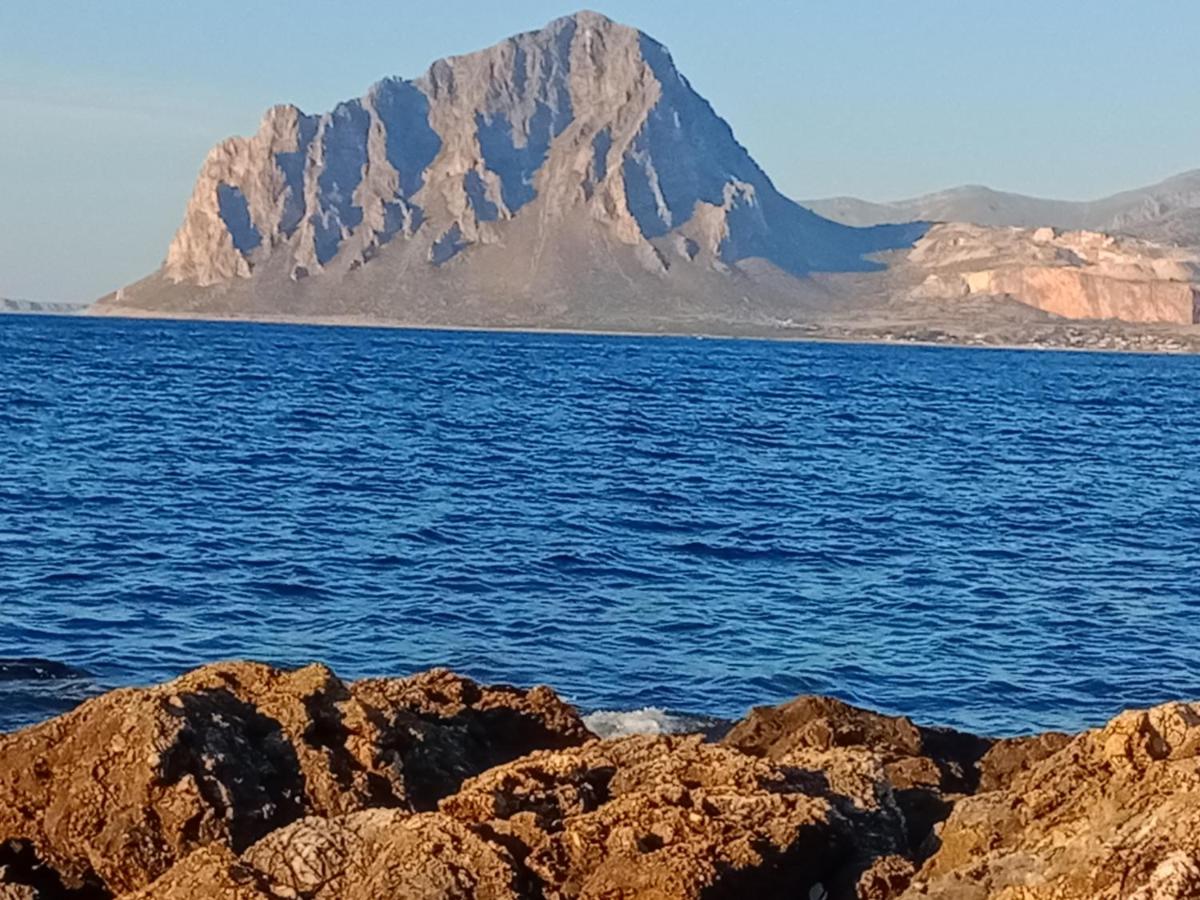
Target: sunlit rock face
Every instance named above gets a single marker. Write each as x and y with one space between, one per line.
1076 275
584 117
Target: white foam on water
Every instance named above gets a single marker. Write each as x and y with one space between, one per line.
649 720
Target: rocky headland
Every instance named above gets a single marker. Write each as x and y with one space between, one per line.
572 179
243 781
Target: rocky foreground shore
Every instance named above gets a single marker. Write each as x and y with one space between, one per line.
243 781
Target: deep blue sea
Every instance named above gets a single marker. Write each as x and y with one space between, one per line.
999 540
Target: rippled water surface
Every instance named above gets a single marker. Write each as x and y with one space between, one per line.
998 540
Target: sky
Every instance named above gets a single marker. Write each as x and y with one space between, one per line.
108 109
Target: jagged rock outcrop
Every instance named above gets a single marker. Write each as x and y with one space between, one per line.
927 769
243 782
365 856
1075 275
1113 815
672 817
653 817
115 793
576 149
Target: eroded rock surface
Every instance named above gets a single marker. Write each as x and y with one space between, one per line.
670 817
653 817
1113 815
243 782
926 768
364 856
127 785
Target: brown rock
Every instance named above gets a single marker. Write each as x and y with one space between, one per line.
442 728
887 877
1008 758
364 856
914 754
668 817
118 791
1114 814
927 767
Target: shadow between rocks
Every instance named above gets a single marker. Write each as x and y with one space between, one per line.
242 762
21 866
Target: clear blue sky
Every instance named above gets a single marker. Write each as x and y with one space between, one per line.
108 108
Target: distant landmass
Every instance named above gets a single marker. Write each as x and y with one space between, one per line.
1167 211
35 306
571 178
566 177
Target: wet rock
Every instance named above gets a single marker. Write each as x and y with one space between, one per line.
1115 813
120 790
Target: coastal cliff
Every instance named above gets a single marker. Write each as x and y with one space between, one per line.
243 781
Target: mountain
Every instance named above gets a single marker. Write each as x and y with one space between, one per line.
568 177
571 178
1167 211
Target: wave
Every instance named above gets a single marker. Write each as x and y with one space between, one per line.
652 721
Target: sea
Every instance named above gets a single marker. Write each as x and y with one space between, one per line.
666 530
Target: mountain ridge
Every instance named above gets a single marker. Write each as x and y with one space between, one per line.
1148 212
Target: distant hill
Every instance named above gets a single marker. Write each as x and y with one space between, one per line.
1169 210
36 306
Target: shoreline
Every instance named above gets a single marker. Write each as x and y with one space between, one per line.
70 687
239 781
813 333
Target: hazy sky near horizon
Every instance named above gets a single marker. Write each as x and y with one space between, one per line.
109 108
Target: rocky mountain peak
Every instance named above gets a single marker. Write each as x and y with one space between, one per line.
585 119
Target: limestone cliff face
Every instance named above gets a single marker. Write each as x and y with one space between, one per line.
1076 275
583 116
